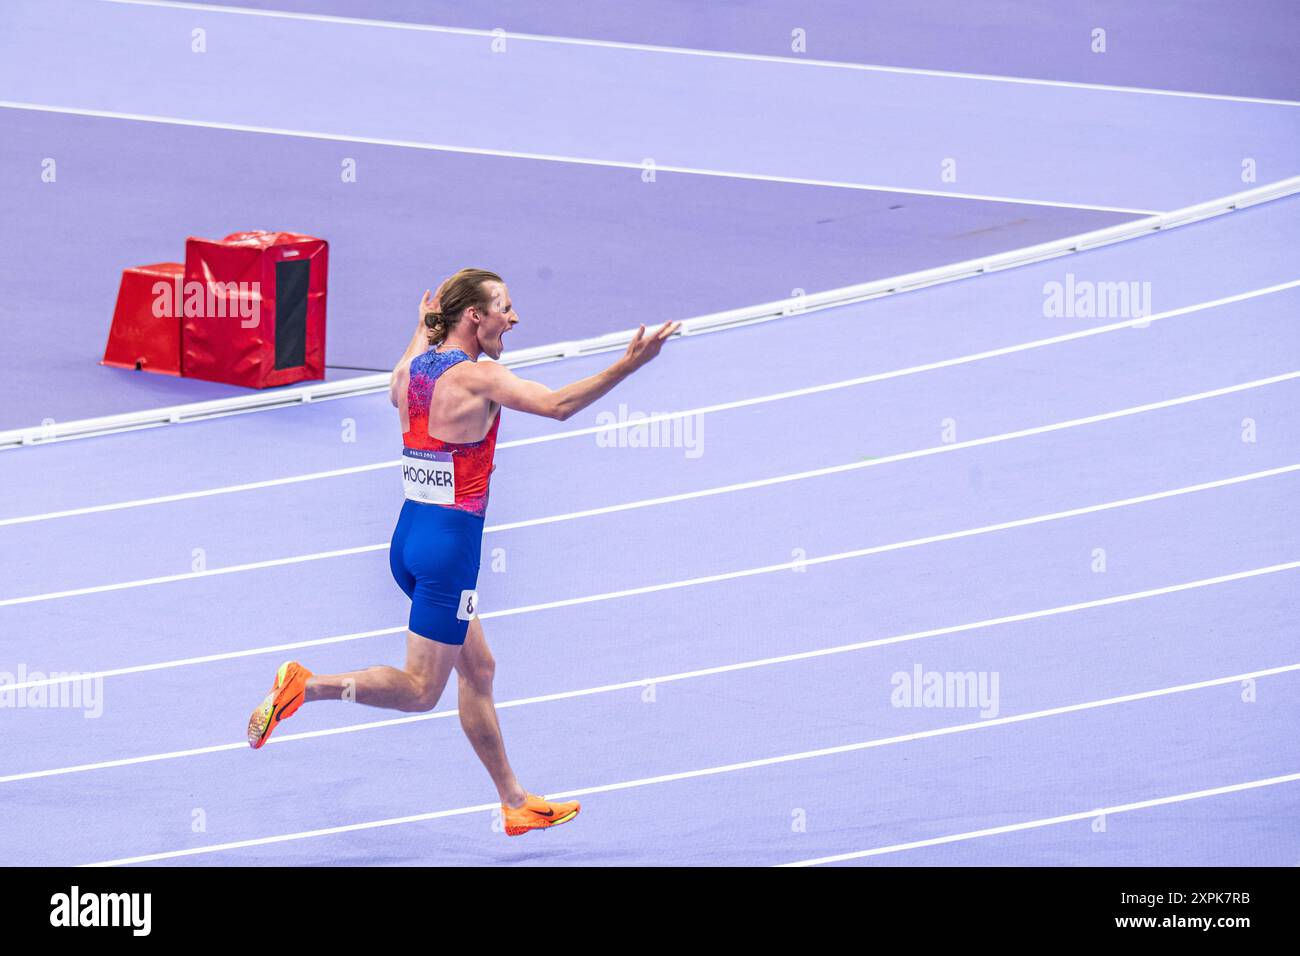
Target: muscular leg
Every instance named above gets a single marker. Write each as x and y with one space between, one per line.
478 715
416 687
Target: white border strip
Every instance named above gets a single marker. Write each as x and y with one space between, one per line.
694 51
728 768
746 403
367 384
605 688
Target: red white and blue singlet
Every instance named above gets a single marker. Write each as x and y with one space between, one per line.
434 554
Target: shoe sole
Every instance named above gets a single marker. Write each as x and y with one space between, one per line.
259 724
263 719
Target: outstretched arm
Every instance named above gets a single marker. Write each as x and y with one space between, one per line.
419 343
498 384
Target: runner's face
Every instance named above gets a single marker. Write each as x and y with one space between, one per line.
498 319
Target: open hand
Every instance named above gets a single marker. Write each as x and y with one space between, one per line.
644 347
429 303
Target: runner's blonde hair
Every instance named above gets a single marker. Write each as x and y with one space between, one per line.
466 289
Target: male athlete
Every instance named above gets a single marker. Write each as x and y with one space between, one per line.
450 404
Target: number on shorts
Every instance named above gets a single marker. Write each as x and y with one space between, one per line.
468 606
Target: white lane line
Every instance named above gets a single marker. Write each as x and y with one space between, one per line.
192 575
207 658
204 493
1052 821
692 51
722 489
646 589
728 768
622 685
670 416
637 165
907 455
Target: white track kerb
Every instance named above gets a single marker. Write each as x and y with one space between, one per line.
783 308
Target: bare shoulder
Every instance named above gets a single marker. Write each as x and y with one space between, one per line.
401 378
480 376
404 368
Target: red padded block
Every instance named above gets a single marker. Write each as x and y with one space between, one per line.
255 309
146 331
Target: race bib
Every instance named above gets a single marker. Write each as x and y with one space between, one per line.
468 607
429 476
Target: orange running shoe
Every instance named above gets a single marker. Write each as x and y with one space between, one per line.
285 697
537 813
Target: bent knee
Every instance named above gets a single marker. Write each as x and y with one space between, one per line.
422 704
479 676
425 699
